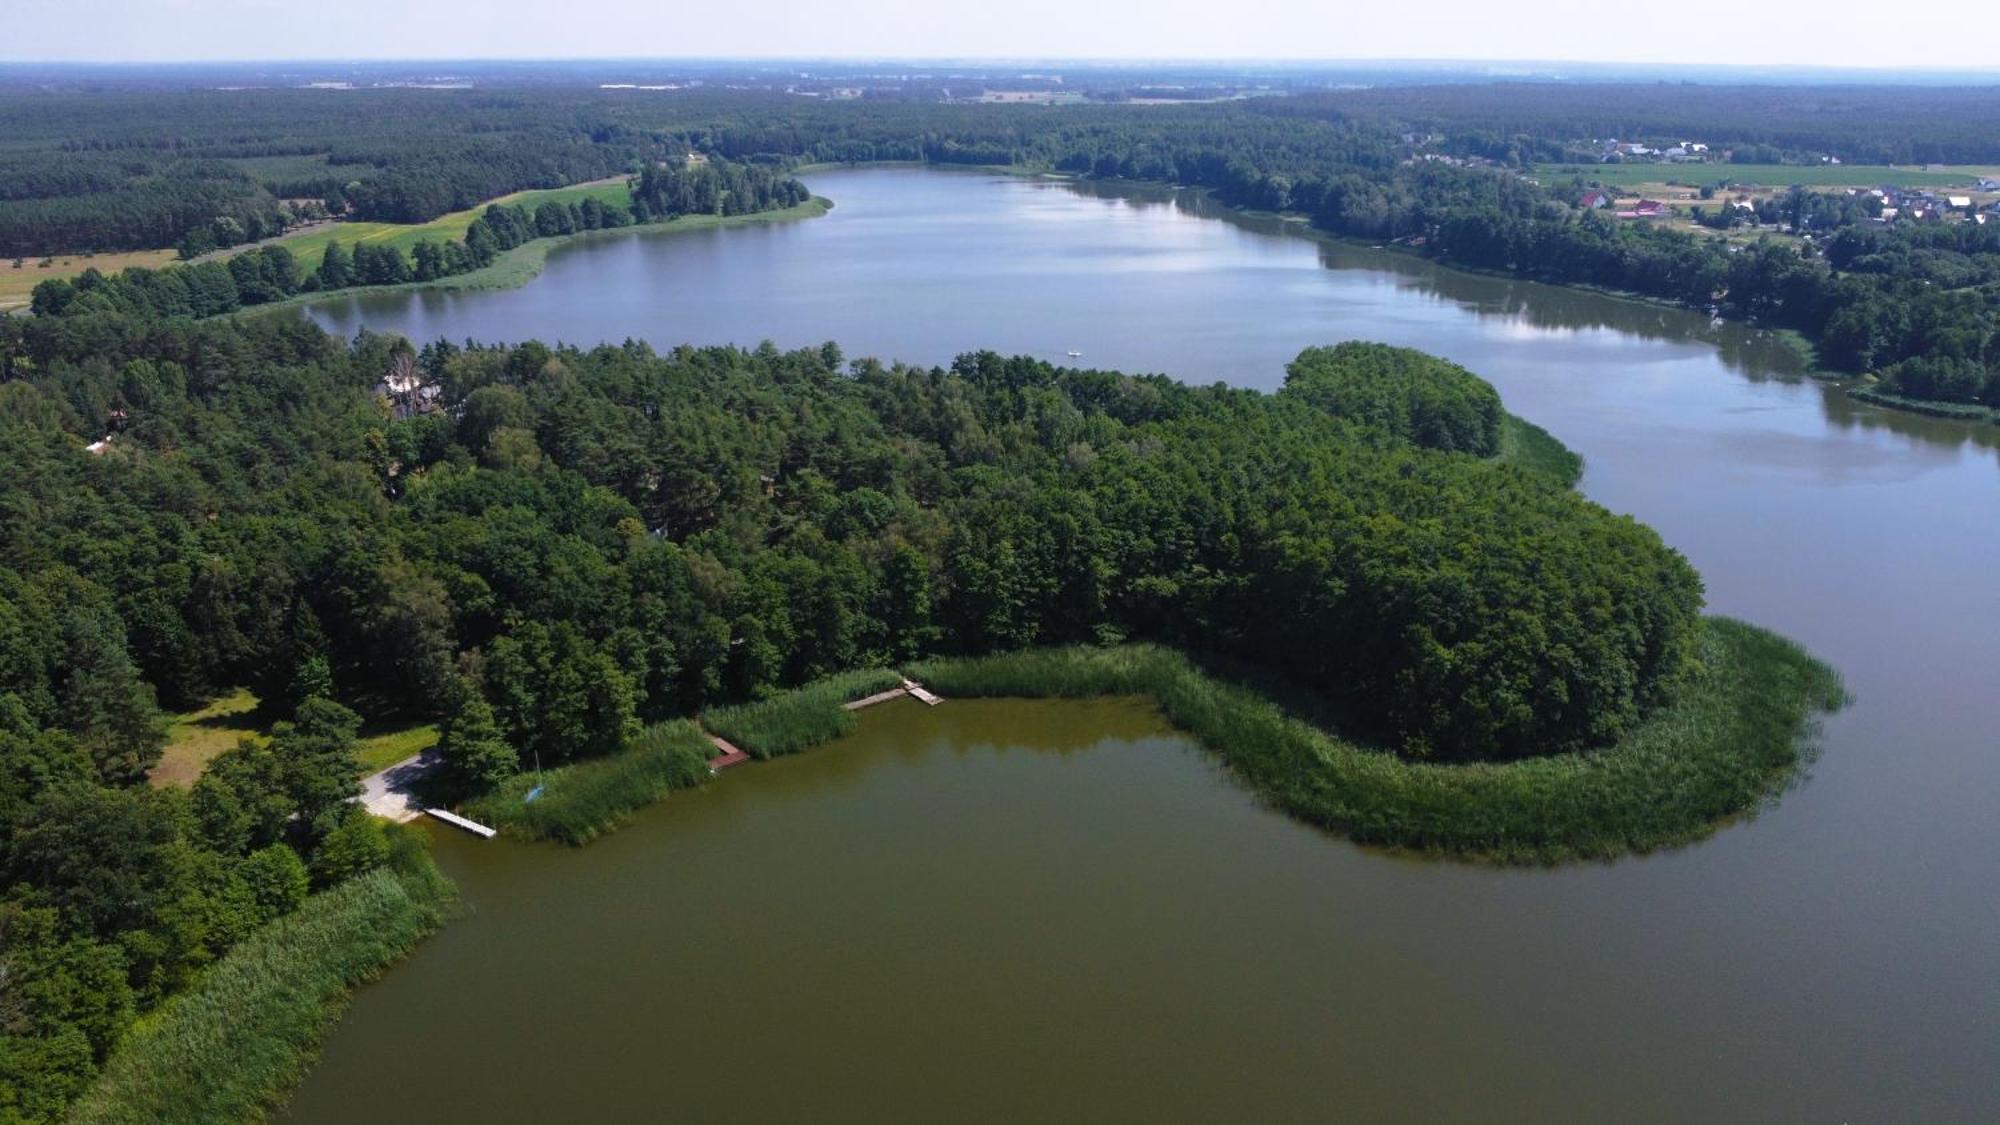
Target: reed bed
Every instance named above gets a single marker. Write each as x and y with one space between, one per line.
582 801
1739 732
231 1048
788 723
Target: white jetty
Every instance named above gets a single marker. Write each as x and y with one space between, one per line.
457 821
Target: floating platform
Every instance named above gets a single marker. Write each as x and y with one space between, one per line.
920 694
457 821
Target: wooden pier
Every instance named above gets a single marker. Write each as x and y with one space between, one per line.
872 700
918 692
730 755
457 821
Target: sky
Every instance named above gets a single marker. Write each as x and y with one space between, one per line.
1843 33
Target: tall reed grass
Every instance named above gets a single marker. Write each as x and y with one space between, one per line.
807 716
1732 740
582 801
231 1048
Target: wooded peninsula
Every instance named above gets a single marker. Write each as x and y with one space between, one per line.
1373 594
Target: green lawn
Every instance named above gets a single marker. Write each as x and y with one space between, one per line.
196 737
1767 175
383 748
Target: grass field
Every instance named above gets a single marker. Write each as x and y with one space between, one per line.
1767 175
195 737
310 246
523 263
17 283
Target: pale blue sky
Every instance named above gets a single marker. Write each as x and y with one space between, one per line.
1762 32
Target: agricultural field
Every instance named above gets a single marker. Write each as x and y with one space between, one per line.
1768 175
19 276
309 246
17 282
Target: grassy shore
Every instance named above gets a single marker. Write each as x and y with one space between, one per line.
582 801
231 1049
1956 411
1739 732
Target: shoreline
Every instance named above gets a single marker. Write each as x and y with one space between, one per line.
517 267
1855 386
1729 744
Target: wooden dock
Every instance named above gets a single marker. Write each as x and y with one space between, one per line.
872 700
923 696
730 755
457 821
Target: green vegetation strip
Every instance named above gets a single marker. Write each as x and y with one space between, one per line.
1736 735
580 802
231 1049
796 720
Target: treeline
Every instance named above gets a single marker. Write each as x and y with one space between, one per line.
140 213
271 273
1541 121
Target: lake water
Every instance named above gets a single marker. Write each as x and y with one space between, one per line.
1037 910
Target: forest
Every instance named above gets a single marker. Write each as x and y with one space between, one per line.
568 544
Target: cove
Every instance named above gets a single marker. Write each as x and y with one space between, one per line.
1832 957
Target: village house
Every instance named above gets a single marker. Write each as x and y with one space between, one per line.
1592 200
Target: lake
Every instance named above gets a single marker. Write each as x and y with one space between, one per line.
1037 910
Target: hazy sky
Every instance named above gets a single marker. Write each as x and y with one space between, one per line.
1769 32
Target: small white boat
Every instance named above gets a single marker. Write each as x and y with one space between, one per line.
1074 354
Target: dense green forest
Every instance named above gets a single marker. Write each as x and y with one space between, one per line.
566 544
1912 303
